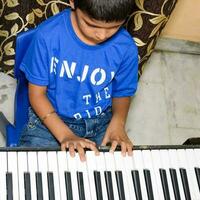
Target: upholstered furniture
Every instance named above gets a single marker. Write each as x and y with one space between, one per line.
145 24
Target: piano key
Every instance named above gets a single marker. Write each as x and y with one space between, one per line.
22 168
163 176
82 167
97 178
91 167
110 166
39 189
157 165
191 163
101 167
9 186
185 183
175 184
27 184
42 167
120 185
80 185
72 167
68 184
128 165
32 169
3 170
183 163
197 157
148 164
109 185
136 183
197 172
53 167
165 160
121 166
147 175
174 163
62 168
13 168
51 185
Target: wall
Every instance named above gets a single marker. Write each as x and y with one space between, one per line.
184 22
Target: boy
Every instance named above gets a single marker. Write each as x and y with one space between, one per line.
82 70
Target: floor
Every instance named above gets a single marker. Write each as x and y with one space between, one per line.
166 107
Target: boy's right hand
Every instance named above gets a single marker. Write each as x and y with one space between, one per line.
74 142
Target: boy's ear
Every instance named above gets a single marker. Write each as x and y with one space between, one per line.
71 2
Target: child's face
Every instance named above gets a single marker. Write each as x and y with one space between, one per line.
93 31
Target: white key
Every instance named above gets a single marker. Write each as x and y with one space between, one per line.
148 164
157 165
120 160
138 164
82 167
174 163
43 168
22 168
191 171
53 167
12 167
91 166
72 166
33 168
62 168
110 166
101 167
197 156
164 155
3 170
183 163
128 164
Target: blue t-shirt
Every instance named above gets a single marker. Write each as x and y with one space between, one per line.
81 79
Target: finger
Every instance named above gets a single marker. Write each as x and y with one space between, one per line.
123 148
113 146
129 149
81 152
93 148
105 141
63 146
90 141
71 149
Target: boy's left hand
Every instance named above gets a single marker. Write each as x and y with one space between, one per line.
117 135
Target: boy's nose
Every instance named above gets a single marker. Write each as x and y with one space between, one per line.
101 35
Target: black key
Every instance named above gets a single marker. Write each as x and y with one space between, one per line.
197 172
51 185
9 186
81 189
147 176
38 177
97 178
120 185
185 183
165 186
109 185
27 185
175 184
136 183
68 184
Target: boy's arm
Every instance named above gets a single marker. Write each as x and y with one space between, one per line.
115 132
67 139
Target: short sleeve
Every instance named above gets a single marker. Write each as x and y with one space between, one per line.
35 62
126 78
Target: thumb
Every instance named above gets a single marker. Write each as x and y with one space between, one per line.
105 141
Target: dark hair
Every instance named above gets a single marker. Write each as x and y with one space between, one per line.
106 10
